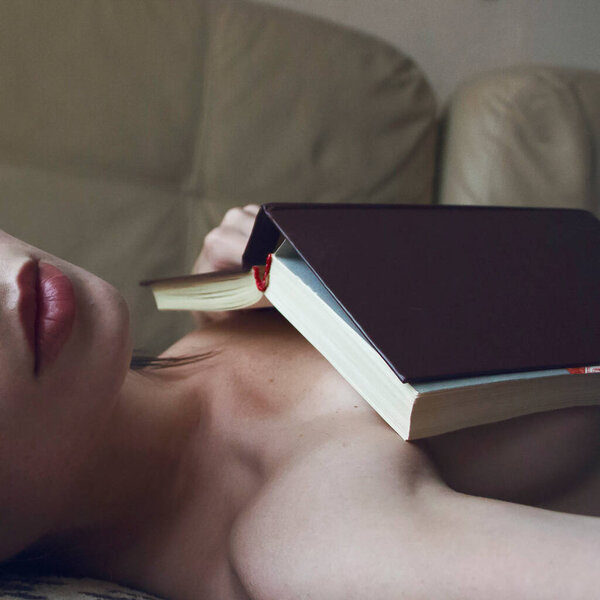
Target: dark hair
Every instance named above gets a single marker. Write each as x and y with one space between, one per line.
141 361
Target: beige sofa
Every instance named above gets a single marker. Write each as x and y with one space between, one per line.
127 129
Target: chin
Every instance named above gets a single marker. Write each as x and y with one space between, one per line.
107 324
91 369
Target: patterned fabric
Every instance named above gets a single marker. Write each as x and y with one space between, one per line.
14 587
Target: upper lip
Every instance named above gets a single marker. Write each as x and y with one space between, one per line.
27 282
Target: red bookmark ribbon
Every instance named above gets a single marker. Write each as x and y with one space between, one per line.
581 370
261 274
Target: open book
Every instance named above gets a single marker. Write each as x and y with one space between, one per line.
440 317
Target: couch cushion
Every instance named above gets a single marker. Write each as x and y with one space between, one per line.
297 109
525 136
121 230
14 587
127 129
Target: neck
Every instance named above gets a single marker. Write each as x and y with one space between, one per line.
135 473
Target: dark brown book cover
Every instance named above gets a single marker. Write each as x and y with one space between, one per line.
453 291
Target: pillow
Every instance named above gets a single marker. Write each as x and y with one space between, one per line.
14 587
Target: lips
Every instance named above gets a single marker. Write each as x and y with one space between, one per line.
47 307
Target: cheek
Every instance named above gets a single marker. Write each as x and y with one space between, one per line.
47 435
48 424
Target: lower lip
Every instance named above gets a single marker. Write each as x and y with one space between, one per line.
47 309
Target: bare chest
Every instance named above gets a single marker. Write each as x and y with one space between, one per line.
282 423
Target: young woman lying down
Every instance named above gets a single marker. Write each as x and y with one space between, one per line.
250 469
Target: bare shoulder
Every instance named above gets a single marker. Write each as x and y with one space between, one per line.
328 509
343 508
358 513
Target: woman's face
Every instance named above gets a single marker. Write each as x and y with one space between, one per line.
64 354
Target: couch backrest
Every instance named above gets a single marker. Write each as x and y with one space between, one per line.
128 128
524 136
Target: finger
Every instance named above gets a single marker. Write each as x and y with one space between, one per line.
238 218
252 209
223 249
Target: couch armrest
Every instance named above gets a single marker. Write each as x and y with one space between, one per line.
525 136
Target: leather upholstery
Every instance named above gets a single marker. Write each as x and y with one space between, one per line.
525 136
127 129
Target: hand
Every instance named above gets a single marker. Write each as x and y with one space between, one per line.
223 246
222 249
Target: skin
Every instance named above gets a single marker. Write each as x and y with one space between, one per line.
259 473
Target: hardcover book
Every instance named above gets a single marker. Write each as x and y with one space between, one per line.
441 317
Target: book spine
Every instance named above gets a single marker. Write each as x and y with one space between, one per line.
263 239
